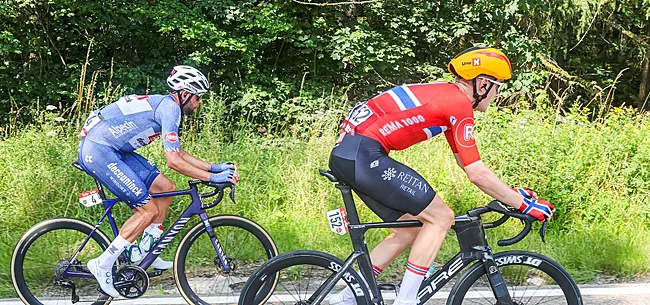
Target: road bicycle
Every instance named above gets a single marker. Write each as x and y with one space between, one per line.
510 277
211 264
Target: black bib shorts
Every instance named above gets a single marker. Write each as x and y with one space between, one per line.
389 188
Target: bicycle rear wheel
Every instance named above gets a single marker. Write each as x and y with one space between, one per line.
531 278
45 251
200 276
301 276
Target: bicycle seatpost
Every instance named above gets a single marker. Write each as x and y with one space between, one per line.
348 201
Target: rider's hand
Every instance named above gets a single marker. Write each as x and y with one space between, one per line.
540 209
217 168
229 175
526 192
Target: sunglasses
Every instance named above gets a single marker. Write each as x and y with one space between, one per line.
499 84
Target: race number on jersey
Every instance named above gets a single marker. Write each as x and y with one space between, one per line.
133 104
358 115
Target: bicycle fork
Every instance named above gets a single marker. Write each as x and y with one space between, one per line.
473 245
223 259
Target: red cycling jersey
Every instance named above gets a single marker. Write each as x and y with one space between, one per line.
409 114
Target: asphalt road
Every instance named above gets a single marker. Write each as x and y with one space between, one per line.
619 294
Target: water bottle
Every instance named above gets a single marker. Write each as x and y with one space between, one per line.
431 271
134 253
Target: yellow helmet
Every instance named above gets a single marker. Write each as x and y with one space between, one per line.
481 60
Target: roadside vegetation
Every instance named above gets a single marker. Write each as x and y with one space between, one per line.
571 123
594 169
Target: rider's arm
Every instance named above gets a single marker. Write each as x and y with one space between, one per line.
488 182
176 162
169 115
194 161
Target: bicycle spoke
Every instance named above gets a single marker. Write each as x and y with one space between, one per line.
204 276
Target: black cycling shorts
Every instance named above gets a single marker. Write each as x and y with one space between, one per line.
389 188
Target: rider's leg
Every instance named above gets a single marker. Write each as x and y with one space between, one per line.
160 185
382 255
127 181
437 219
153 232
142 217
394 244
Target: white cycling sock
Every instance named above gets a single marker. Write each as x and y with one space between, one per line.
149 237
108 258
348 295
408 289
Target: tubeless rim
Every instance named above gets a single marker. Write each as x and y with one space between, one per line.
530 278
200 275
45 251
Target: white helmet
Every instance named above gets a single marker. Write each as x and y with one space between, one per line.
188 79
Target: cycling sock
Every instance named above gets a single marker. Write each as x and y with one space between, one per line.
376 270
108 258
150 236
410 285
348 295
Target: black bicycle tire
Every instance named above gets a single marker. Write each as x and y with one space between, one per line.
548 266
32 235
217 221
300 257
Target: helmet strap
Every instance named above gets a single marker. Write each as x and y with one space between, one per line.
479 97
182 105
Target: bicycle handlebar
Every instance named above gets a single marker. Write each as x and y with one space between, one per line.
527 220
218 191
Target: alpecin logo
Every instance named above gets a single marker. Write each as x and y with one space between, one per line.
122 129
389 173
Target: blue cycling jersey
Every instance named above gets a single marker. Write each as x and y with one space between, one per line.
135 121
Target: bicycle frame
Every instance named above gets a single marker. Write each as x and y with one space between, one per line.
471 237
196 207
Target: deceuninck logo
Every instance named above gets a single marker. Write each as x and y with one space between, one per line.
389 173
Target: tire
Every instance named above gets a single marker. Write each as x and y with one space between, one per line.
197 269
40 250
297 270
531 278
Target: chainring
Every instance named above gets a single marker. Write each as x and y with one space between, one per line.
131 281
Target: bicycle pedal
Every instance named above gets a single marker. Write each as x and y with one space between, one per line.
387 287
155 272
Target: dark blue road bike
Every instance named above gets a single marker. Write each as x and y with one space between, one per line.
211 264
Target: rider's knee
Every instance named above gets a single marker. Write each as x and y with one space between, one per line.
168 186
162 184
148 211
438 214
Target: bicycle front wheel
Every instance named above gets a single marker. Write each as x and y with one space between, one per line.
45 251
531 278
201 277
302 276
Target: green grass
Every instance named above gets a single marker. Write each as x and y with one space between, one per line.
595 172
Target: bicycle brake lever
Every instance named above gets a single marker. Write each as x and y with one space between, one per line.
542 231
232 194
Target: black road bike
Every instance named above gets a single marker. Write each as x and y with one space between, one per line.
508 278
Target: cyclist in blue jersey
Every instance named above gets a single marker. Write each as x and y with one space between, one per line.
110 136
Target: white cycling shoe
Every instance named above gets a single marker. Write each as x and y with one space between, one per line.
341 299
161 264
104 277
414 302
158 263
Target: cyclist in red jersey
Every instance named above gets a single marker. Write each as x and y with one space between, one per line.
406 115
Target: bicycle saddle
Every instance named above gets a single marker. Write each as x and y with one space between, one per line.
328 174
78 166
